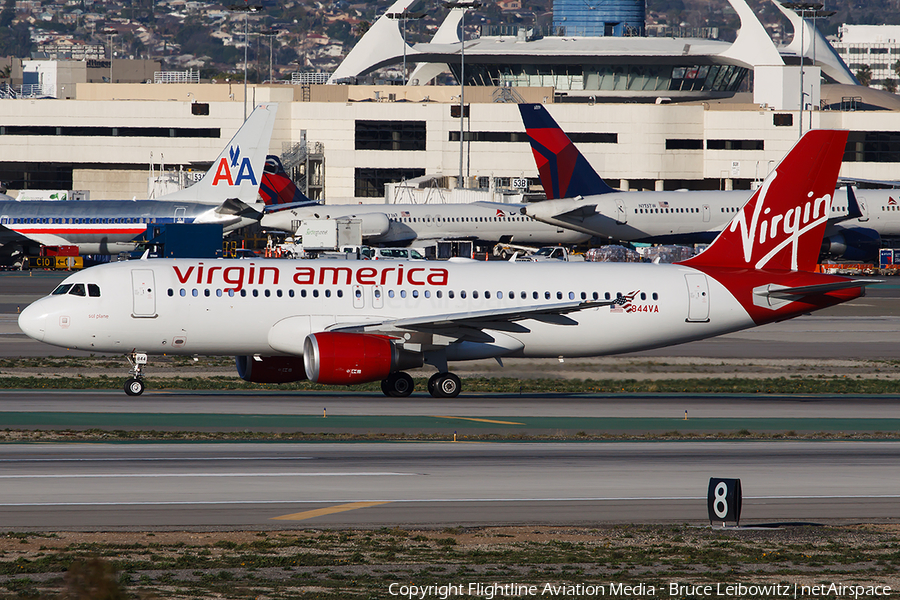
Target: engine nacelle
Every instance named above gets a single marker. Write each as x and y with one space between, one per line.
856 244
270 369
349 358
372 225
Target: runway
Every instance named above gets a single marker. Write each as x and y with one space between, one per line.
273 486
138 486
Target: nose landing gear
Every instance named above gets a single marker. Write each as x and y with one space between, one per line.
134 386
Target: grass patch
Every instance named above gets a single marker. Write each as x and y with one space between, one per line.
362 563
502 385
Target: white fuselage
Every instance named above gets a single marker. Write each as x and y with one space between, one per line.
102 226
694 216
405 223
267 307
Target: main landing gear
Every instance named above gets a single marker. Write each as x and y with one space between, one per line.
134 386
441 385
444 385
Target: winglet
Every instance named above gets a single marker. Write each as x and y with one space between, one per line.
782 225
565 173
237 171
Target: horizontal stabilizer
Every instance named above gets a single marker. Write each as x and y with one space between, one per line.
790 293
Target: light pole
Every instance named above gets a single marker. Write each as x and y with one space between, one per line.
110 33
805 9
464 5
245 8
270 33
405 16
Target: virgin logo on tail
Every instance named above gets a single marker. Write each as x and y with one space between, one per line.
226 172
781 226
793 223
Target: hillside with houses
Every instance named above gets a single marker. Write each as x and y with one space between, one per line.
312 35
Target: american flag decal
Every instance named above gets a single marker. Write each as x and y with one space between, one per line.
623 303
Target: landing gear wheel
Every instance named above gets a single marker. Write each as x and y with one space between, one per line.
134 387
444 385
397 385
432 382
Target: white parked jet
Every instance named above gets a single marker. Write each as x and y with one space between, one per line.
579 199
227 194
403 224
339 323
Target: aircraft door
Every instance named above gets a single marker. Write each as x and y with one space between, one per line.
621 211
359 300
377 297
179 214
144 290
438 221
706 213
698 298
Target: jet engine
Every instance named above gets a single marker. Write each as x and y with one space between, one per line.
857 244
270 369
350 358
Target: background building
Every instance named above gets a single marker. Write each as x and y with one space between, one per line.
599 17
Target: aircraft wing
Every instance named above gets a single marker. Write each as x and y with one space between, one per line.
45 239
882 182
454 325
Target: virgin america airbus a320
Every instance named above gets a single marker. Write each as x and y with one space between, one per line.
335 323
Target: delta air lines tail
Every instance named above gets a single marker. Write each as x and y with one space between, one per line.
564 171
349 322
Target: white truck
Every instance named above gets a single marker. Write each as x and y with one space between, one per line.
316 236
551 253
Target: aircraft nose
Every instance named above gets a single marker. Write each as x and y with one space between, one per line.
32 321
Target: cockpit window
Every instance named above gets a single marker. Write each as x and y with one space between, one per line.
61 289
77 289
93 290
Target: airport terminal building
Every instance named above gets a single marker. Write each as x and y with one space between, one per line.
673 119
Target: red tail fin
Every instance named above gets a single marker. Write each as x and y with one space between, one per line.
781 226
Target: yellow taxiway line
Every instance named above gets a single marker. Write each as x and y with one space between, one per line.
309 514
480 420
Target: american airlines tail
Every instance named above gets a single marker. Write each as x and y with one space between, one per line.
564 171
277 187
237 172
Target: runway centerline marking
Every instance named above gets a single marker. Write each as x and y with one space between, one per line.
479 420
309 514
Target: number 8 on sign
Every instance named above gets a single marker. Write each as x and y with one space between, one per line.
723 500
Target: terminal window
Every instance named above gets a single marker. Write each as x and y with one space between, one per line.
390 135
735 145
370 182
873 146
684 144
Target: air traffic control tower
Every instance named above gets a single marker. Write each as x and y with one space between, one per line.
592 18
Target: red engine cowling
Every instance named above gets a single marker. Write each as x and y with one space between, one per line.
270 369
349 358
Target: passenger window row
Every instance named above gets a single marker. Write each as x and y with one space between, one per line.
487 294
644 211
